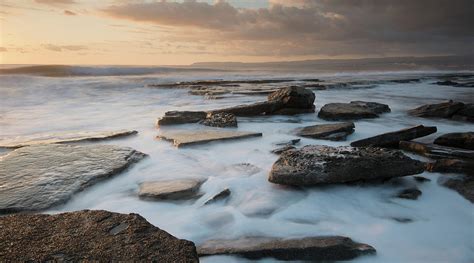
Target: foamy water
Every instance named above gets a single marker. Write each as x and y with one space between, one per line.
442 229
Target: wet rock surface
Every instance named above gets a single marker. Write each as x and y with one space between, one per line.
294 97
308 249
282 149
465 166
316 165
441 110
187 138
352 110
436 151
89 236
171 189
333 132
181 117
464 140
38 177
220 119
222 195
62 137
392 139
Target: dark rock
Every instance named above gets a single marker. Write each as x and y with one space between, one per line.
421 179
187 138
409 193
170 189
353 110
333 132
451 166
436 151
41 176
181 117
374 106
291 142
329 248
89 236
220 119
294 97
283 149
317 164
465 114
463 140
440 110
402 219
464 185
218 197
392 139
62 137
259 108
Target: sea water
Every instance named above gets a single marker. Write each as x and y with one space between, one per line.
441 227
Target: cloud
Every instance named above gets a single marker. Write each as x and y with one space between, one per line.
59 48
55 2
69 13
317 27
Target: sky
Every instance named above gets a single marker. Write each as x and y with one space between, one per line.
146 32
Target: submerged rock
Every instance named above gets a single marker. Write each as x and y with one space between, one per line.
463 140
409 193
181 117
465 114
329 248
392 139
38 177
218 197
171 189
440 110
352 110
317 164
333 132
62 137
186 138
436 151
464 185
220 119
89 236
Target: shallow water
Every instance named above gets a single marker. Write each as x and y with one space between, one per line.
442 229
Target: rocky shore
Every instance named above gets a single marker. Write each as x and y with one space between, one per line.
46 171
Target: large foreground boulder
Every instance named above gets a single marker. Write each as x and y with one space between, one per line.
332 132
89 236
439 110
312 249
38 177
353 110
464 140
392 139
62 137
317 164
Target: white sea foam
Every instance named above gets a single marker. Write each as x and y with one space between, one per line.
443 222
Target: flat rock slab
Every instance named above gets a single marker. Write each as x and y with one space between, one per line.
38 177
352 111
392 139
317 164
62 137
463 140
170 189
89 236
333 132
439 110
311 248
186 138
436 151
